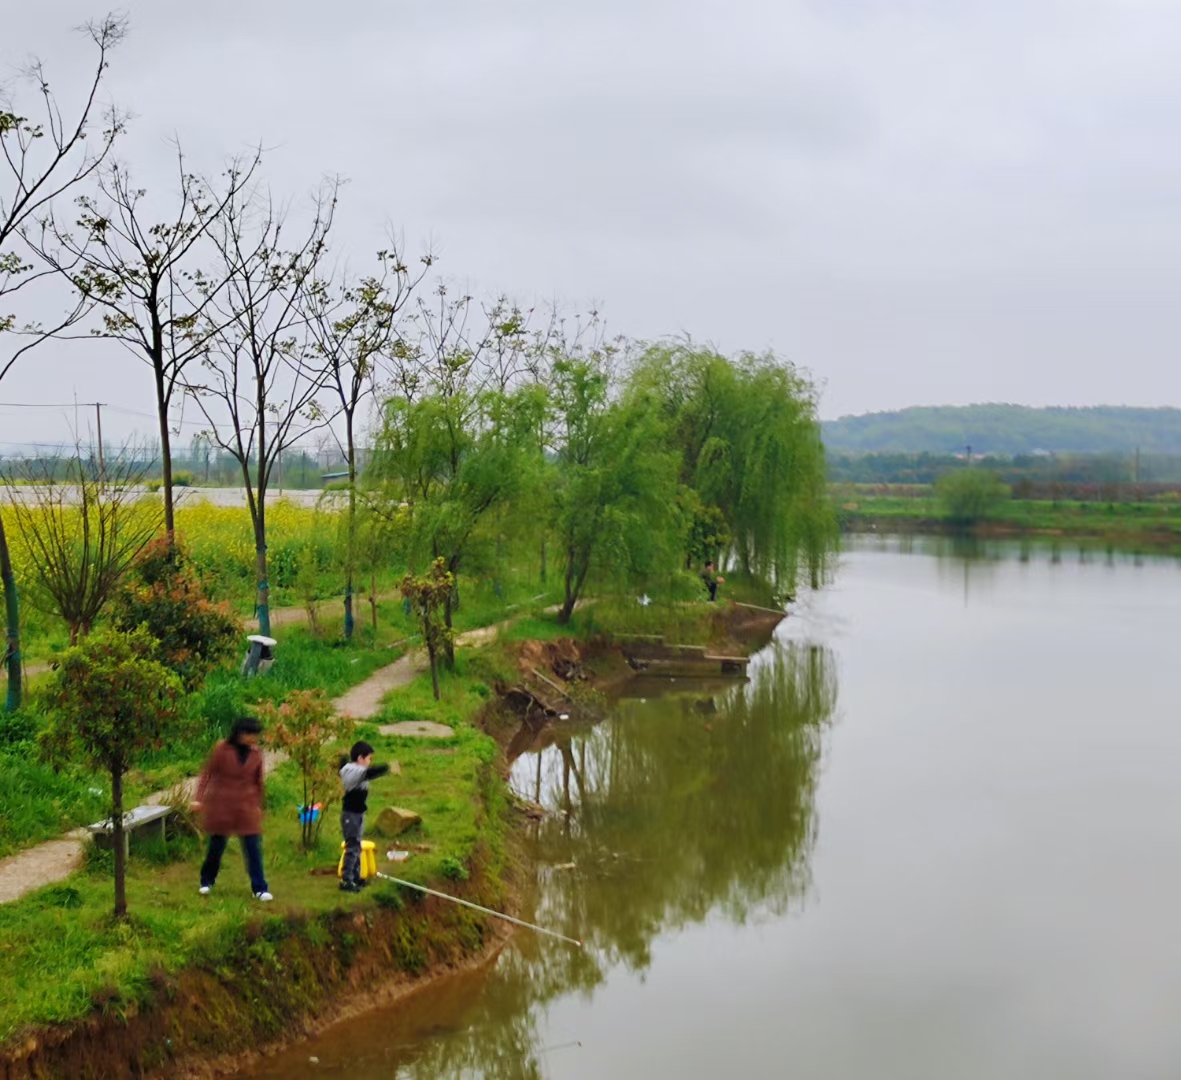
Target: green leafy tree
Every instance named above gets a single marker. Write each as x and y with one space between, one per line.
454 459
164 594
380 535
969 496
429 594
748 441
305 726
111 700
614 483
706 533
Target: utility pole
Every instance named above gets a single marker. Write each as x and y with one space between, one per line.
98 419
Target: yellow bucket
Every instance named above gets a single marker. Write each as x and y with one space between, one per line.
368 860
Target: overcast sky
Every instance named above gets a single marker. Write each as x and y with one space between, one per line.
920 201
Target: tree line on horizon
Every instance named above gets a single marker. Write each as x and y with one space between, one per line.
1008 430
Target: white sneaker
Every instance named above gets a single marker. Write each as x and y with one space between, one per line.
205 890
263 896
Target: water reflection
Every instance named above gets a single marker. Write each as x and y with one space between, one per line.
685 804
971 563
690 802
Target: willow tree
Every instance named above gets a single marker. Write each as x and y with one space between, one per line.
44 156
452 460
748 440
614 482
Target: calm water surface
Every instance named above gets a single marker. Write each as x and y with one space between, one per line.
936 835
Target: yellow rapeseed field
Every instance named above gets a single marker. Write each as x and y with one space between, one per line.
220 541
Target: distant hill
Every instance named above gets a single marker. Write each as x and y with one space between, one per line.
1008 429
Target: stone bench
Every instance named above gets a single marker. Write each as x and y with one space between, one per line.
133 821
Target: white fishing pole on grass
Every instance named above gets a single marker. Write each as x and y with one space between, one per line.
478 907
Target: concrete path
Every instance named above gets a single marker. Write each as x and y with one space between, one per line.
55 860
41 865
364 700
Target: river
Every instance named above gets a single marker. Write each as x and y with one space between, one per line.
935 836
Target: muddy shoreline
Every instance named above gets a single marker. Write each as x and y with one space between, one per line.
397 987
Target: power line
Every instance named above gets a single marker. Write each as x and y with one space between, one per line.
43 405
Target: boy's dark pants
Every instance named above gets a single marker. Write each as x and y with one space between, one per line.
352 827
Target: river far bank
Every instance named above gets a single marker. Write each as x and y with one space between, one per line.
201 987
1153 527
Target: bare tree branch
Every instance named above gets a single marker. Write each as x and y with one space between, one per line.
144 279
353 324
261 373
81 531
44 158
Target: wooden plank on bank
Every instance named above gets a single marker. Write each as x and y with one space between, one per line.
755 607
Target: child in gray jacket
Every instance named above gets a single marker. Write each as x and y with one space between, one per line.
355 774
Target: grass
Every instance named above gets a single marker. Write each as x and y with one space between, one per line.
1154 525
62 957
40 804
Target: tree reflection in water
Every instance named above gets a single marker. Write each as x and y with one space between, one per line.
680 806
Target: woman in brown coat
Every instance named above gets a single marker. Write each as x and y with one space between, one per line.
229 799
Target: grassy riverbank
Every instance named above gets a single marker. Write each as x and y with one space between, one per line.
1149 526
65 961
190 977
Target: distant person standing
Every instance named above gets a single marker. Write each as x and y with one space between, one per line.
229 801
712 581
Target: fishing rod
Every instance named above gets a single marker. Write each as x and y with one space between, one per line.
486 911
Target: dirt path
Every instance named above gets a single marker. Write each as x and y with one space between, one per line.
290 616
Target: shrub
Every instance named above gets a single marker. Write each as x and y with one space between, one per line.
304 726
17 727
111 700
166 596
968 496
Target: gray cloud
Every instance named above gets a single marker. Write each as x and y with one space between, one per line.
919 201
